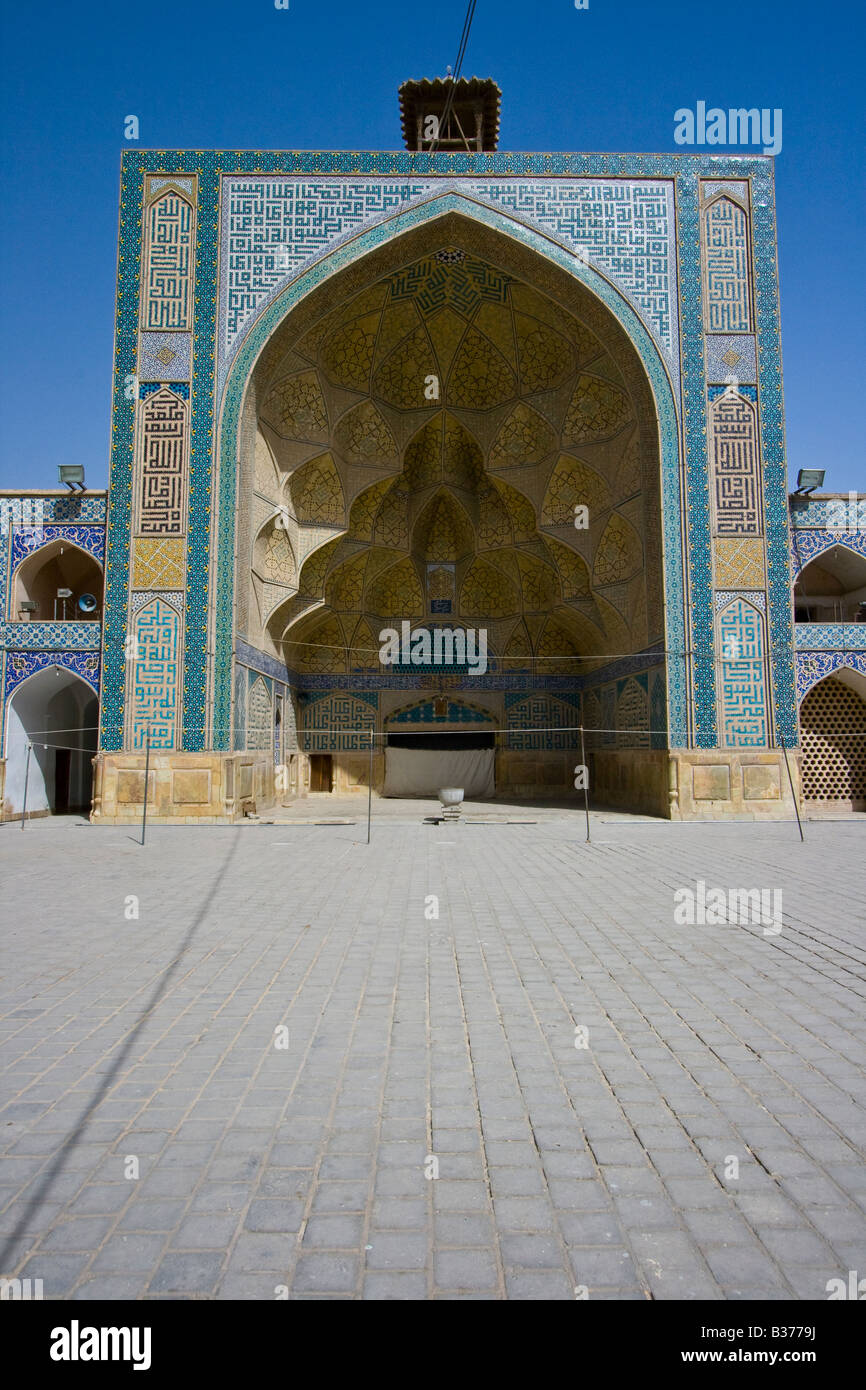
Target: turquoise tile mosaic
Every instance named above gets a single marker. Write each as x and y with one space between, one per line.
662 313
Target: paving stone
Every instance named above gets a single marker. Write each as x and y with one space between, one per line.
531 1251
341 1196
272 1215
58 1272
542 1284
205 1232
399 1213
129 1253
397 1250
326 1273
331 1232
403 1286
698 1050
79 1233
465 1269
187 1273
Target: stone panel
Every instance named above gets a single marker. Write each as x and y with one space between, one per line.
712 783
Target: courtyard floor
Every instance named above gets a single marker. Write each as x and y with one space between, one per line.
252 1061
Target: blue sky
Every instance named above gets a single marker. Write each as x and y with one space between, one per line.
242 74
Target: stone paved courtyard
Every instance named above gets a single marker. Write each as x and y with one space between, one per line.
417 1043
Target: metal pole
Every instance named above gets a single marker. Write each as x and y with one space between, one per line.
26 777
370 788
793 793
146 776
585 780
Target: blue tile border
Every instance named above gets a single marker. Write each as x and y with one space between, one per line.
830 636
775 473
209 165
345 255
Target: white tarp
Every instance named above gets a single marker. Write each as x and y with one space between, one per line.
422 771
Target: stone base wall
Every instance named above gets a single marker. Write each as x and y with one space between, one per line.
194 788
536 775
630 779
682 784
732 784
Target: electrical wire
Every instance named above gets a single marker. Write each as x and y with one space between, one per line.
455 75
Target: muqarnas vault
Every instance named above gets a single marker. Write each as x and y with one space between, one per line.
353 390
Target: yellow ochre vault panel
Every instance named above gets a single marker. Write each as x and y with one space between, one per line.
158 562
739 562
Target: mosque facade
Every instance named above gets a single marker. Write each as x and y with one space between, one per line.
536 397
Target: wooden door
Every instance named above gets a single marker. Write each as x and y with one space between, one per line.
321 772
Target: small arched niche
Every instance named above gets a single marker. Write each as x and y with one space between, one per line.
832 588
39 590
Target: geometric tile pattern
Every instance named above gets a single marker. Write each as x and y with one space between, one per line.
739 564
259 733
756 597
731 355
89 538
273 227
700 725
814 666
240 708
154 674
632 713
167 270
85 637
455 712
542 722
336 724
744 714
163 465
830 636
658 712
726 235
20 665
510 175
805 545
28 511
157 562
774 463
165 354
736 468
174 598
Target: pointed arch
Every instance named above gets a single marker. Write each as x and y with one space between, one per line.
59 563
833 742
455 208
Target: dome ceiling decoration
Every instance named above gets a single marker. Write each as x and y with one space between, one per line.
428 443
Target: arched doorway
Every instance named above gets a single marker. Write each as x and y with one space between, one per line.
55 711
59 582
440 742
833 740
456 431
832 587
